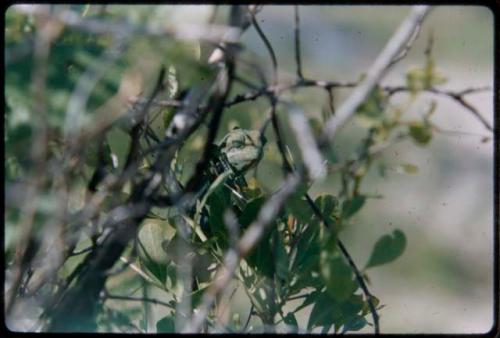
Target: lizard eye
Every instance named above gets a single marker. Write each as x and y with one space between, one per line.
238 144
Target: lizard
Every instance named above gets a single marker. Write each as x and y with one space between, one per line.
237 152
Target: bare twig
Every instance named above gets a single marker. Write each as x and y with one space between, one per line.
408 46
245 327
297 42
105 295
269 48
457 96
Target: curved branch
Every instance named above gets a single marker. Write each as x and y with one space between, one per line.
268 46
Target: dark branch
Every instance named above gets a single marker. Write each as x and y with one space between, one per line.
297 42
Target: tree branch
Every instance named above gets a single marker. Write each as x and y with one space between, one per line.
297 42
375 72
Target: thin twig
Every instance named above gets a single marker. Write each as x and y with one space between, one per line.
456 96
269 48
107 295
344 251
408 46
297 42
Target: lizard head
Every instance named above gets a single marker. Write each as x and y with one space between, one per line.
243 148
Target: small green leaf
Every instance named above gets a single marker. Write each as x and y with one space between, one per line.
327 204
420 132
355 323
280 257
387 248
352 306
407 168
250 211
352 206
307 257
310 299
299 208
373 107
166 324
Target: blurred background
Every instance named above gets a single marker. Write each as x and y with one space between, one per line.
443 283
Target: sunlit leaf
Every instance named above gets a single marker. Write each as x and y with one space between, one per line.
420 132
407 168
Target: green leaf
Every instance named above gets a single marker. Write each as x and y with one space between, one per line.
299 208
352 206
310 299
250 211
260 258
325 312
352 306
280 257
150 238
407 168
420 132
354 324
218 202
416 80
336 274
307 257
166 324
373 106
327 204
366 307
387 248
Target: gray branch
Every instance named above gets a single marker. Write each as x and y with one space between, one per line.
375 73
